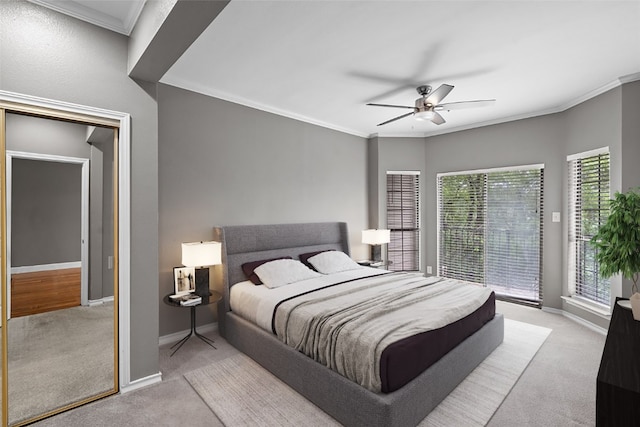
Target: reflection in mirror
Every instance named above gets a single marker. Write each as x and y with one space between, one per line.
3 273
60 302
1 355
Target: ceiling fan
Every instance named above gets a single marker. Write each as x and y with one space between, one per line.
427 106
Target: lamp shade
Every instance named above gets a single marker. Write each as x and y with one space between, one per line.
200 254
376 237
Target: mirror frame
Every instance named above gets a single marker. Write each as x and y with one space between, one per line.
121 123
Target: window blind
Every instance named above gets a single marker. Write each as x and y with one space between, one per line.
403 220
490 230
462 207
588 209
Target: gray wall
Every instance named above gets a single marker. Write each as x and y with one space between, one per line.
393 154
630 135
54 56
96 213
38 189
45 136
107 219
225 164
630 147
101 214
45 212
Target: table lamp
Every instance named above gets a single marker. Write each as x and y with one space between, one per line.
201 255
376 238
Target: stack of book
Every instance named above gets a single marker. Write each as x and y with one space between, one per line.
187 299
191 299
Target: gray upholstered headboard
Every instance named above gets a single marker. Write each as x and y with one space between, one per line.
244 243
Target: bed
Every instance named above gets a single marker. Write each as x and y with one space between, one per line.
346 401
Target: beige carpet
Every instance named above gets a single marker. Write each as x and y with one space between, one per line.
59 357
242 393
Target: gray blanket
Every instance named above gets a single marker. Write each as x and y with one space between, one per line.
347 327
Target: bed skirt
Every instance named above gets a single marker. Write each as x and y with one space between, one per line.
346 401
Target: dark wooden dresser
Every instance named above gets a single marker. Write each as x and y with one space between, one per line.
618 386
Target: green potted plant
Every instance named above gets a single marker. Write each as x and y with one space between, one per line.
618 243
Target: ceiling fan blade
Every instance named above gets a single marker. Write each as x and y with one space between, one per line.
437 118
392 106
396 118
438 95
465 104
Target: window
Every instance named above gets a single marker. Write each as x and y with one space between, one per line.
588 210
490 229
403 219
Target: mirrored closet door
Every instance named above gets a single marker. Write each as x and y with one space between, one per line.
59 273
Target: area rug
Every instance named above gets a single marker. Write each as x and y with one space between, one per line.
242 393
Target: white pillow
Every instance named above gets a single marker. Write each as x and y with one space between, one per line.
332 262
280 272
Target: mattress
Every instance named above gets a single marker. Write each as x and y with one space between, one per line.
405 359
401 360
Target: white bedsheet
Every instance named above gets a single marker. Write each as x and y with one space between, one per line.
256 303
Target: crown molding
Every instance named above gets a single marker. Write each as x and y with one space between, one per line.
79 11
201 89
629 78
553 110
183 84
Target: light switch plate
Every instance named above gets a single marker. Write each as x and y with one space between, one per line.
555 217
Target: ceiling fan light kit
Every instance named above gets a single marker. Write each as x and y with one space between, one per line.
424 115
426 107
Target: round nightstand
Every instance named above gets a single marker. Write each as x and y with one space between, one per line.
212 298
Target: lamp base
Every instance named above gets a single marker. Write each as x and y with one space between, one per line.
376 253
202 282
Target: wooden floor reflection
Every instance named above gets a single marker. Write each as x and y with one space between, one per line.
42 291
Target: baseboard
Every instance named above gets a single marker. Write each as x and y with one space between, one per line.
45 267
576 319
552 310
177 336
94 302
580 320
142 382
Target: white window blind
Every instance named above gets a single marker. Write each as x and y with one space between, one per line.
490 230
588 209
403 220
462 209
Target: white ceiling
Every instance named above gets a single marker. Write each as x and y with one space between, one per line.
322 61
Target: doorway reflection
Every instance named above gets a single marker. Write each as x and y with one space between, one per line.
60 284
